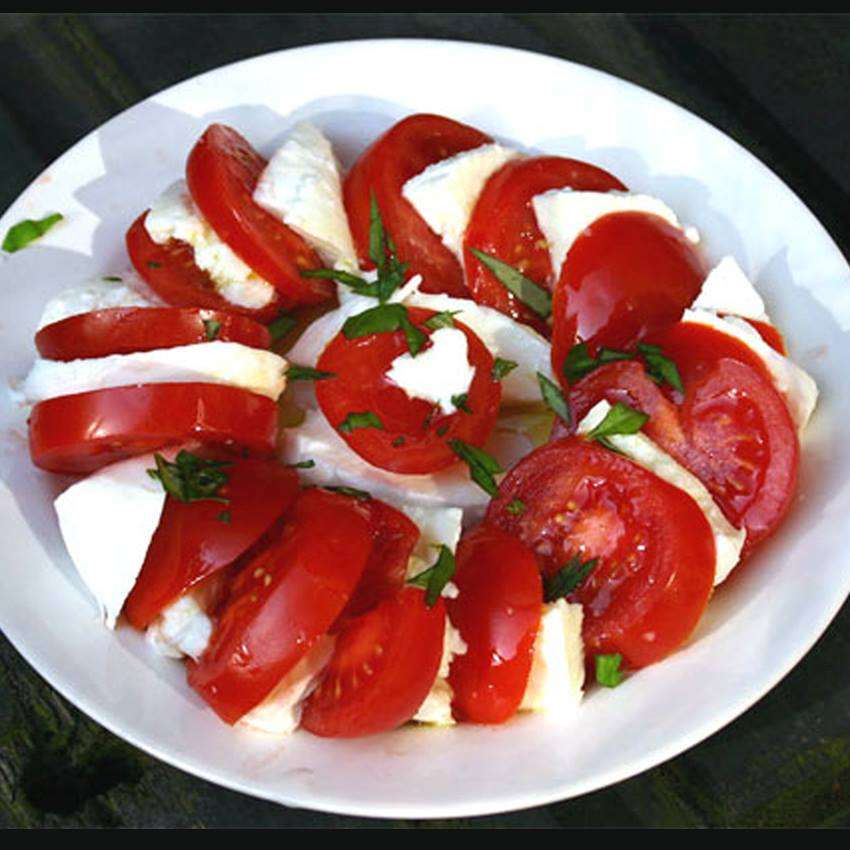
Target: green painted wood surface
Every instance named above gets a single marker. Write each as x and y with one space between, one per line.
779 84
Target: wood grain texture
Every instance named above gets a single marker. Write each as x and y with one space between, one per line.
778 84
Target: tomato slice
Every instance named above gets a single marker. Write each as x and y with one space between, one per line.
415 434
192 541
405 150
770 334
383 666
171 273
124 330
222 172
503 225
629 274
83 432
281 602
655 550
497 611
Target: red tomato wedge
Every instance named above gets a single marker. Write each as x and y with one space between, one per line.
171 273
405 150
655 550
771 335
222 172
415 433
124 330
192 542
383 666
82 432
281 602
628 275
497 611
504 226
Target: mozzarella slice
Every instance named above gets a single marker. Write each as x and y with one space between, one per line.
99 293
301 186
557 668
564 214
175 216
727 289
436 709
107 521
183 628
231 363
728 540
444 194
795 385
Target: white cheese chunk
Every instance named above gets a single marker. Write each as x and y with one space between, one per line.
280 712
175 216
564 214
107 521
439 373
795 385
436 709
727 289
301 186
557 668
437 527
183 628
444 194
728 540
231 363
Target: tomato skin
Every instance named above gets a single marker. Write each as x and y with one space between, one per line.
83 432
281 602
503 225
655 547
405 150
771 335
171 273
383 667
222 172
124 330
360 385
497 611
629 274
192 543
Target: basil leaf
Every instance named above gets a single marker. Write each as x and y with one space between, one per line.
579 363
398 441
224 516
535 297
659 367
302 464
306 373
502 367
515 507
554 398
384 318
415 337
212 328
112 278
443 319
620 419
190 478
377 240
459 401
567 579
356 283
353 492
21 234
436 577
482 466
281 326
608 673
355 421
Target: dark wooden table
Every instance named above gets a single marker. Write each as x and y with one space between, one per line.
779 84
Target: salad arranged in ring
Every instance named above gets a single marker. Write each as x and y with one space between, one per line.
454 436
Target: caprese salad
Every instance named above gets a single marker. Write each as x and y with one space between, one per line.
449 438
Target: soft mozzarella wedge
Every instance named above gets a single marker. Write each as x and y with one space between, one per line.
563 214
728 540
436 709
174 216
231 363
557 667
795 385
726 289
301 186
183 628
100 293
107 521
280 712
445 193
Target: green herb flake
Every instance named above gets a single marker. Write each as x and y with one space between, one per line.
190 478
516 507
281 326
568 579
482 466
443 319
355 421
659 367
554 398
385 318
608 673
436 577
535 297
302 464
502 367
460 402
24 232
152 264
224 517
442 430
579 363
397 442
620 419
212 328
353 492
112 278
306 373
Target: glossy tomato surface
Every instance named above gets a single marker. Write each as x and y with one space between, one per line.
405 150
82 432
655 549
281 602
415 433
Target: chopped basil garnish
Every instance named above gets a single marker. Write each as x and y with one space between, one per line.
459 401
554 398
502 367
112 278
579 363
436 577
355 421
224 516
442 430
302 464
398 441
567 579
190 478
353 492
21 234
516 507
281 326
443 319
482 466
608 673
620 419
212 328
385 318
152 264
306 373
660 368
535 297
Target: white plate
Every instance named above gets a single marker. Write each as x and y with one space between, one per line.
757 628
